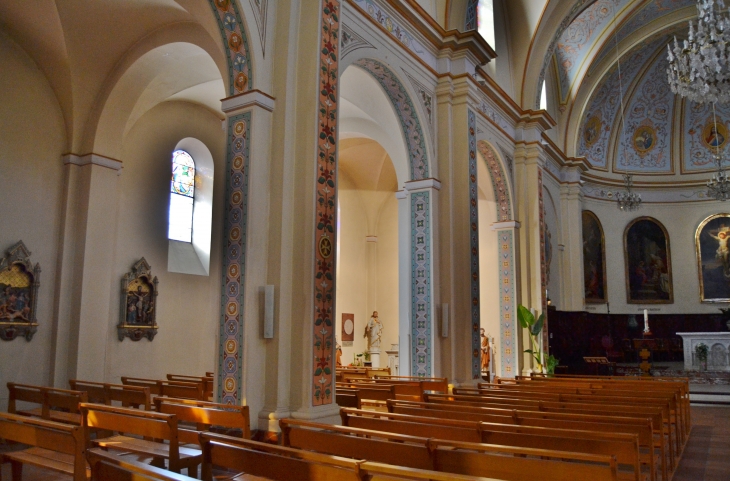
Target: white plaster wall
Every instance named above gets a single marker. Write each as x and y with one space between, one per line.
488 257
681 221
352 282
32 140
188 305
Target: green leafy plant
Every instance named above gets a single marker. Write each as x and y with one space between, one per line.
534 327
551 363
701 352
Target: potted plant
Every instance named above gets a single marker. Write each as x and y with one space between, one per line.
534 327
701 355
551 363
726 317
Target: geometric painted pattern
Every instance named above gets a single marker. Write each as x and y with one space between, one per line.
474 244
507 324
230 359
543 264
403 107
698 137
504 209
235 43
325 206
421 357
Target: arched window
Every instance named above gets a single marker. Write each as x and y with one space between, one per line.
182 195
485 21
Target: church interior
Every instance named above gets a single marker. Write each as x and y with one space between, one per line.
364 239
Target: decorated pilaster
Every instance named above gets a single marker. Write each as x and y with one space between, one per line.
530 159
510 347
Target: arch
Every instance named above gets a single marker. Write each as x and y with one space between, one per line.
499 180
233 33
406 112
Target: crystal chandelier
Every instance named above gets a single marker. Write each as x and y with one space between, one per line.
628 201
719 186
698 70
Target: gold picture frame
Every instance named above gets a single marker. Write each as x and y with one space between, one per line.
648 263
138 310
713 258
595 286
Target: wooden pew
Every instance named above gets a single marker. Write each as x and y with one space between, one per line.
185 390
641 426
148 424
207 382
278 463
60 405
505 462
55 446
105 393
623 445
347 398
108 467
203 415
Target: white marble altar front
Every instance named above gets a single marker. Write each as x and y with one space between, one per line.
718 344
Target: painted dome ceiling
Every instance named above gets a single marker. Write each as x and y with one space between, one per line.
659 136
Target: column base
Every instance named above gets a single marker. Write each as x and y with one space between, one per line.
269 420
329 414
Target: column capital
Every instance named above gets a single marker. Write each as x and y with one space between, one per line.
510 224
422 184
92 159
246 100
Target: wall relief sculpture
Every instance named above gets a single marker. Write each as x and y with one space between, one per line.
138 303
19 282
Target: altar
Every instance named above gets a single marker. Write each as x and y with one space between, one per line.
718 344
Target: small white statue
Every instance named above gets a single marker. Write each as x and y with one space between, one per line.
374 332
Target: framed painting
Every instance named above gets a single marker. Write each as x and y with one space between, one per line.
713 258
348 329
19 283
594 260
648 263
138 303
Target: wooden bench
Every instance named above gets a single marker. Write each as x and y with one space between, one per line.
185 390
60 405
107 467
105 393
279 463
504 462
624 446
55 446
206 381
203 415
150 425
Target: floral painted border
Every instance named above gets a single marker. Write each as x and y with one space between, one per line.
474 244
543 261
230 358
406 112
235 43
421 349
499 184
507 322
325 207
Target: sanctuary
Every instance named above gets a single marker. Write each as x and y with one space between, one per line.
271 195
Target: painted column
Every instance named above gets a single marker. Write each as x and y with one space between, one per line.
571 240
423 196
510 348
86 267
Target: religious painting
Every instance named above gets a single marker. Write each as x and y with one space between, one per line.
348 329
713 258
592 131
594 260
714 135
648 263
138 303
19 282
644 139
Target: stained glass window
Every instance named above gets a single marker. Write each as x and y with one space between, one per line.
485 21
182 193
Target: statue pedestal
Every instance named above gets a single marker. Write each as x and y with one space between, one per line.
375 357
393 359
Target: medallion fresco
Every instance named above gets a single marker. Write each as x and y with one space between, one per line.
230 350
605 104
704 134
235 43
325 208
645 143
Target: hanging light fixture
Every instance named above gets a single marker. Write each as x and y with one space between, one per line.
628 201
698 71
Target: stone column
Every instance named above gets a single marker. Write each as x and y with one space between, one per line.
86 267
571 238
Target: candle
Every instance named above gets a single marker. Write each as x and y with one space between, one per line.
646 320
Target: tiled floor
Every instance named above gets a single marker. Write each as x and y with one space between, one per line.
706 457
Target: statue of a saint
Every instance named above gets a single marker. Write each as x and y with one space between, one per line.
374 331
486 357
